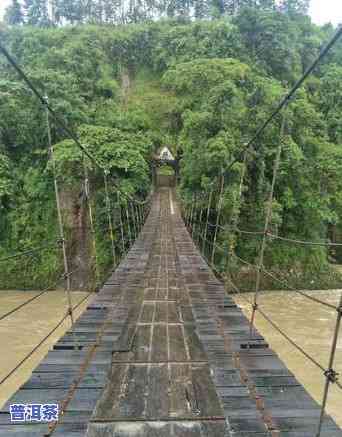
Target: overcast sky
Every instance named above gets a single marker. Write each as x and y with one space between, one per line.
322 11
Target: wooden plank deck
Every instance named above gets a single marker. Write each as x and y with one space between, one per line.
171 359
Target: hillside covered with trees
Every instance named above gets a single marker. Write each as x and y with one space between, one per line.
197 76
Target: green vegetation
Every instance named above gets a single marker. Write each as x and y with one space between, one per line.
203 85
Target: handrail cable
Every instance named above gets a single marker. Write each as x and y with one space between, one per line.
241 231
60 222
41 248
304 242
41 293
289 339
287 285
31 299
109 217
5 378
282 282
219 211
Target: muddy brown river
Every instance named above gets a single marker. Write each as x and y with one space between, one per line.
311 325
21 331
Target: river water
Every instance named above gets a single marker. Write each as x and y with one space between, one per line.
21 331
310 325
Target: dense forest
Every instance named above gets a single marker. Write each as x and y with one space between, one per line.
197 76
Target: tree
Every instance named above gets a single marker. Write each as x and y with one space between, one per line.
71 11
36 12
294 7
14 14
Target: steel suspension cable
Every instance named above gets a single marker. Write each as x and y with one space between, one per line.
191 209
235 216
268 219
61 226
194 221
200 221
218 217
330 374
129 227
109 217
91 220
207 220
121 225
135 225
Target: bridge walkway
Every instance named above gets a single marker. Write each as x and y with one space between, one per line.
164 353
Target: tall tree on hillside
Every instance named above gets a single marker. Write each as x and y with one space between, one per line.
293 7
218 8
36 12
201 9
71 11
232 7
14 14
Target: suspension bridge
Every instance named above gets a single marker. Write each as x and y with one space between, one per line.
162 349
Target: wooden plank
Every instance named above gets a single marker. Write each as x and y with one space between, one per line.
111 392
147 313
177 345
34 430
173 313
214 429
194 344
161 312
159 344
75 357
157 401
83 400
64 379
205 392
179 380
129 429
131 402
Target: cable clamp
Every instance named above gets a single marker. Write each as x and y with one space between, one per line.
255 306
66 276
60 242
69 312
331 375
339 309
